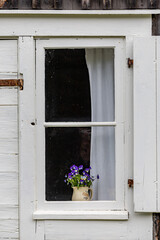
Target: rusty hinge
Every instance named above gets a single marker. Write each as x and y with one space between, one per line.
130 62
130 182
11 83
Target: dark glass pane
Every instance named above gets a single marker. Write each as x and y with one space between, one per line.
67 89
64 147
93 147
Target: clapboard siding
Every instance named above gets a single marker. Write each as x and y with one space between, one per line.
8 143
8 96
9 212
79 4
8 163
8 56
95 230
8 188
8 229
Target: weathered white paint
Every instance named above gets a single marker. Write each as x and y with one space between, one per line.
8 143
26 65
8 188
8 229
8 162
8 146
81 215
8 96
75 26
9 211
8 56
146 130
78 124
119 51
80 12
139 226
158 120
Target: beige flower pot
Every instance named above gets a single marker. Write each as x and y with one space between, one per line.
82 194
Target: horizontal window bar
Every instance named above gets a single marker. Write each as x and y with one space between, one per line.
78 124
81 215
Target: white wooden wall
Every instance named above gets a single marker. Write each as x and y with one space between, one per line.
8 143
138 226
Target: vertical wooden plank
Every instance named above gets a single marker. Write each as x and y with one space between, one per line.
96 4
47 4
36 4
158 119
86 4
26 61
120 4
66 4
57 4
155 24
131 4
25 4
144 125
76 5
141 4
152 3
107 4
40 234
14 4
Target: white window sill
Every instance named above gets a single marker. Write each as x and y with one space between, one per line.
80 215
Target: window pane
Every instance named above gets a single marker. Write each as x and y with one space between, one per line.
80 146
79 85
67 86
64 147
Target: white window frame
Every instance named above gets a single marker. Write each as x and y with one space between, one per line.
119 62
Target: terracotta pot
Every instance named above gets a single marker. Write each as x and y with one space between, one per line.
82 194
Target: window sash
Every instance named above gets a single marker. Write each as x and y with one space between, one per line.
118 45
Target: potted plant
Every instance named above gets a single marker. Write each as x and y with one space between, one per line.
81 181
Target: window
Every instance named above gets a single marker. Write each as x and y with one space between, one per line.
80 120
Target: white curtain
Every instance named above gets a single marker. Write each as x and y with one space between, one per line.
100 64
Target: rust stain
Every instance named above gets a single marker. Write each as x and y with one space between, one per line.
2 2
130 182
12 82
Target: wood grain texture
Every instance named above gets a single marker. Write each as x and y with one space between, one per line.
95 230
8 212
79 4
155 25
27 139
8 163
8 188
107 4
158 119
9 229
145 188
8 56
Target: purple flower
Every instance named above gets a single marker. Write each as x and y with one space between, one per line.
66 175
84 172
65 181
80 167
73 172
76 168
72 167
81 181
87 169
87 175
97 176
